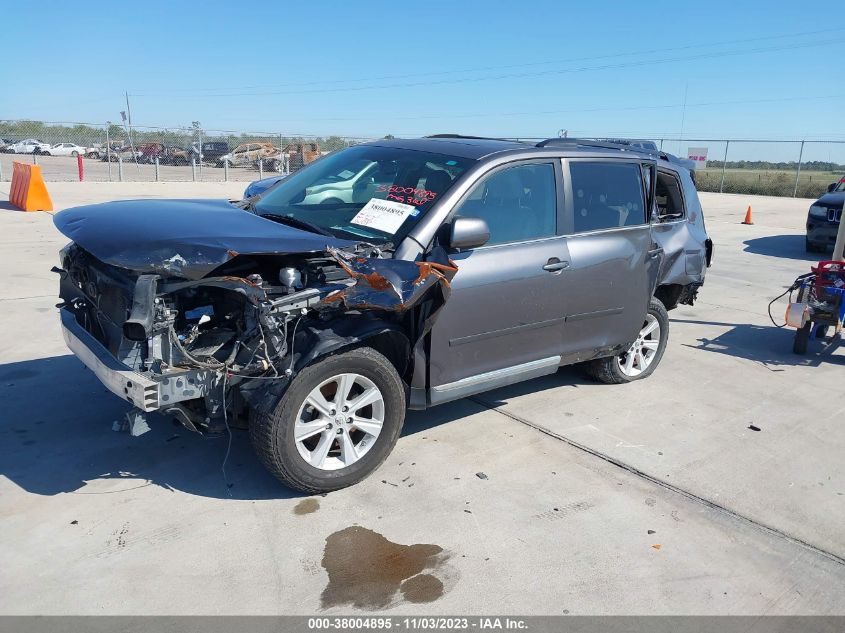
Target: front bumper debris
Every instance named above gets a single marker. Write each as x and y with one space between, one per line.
146 392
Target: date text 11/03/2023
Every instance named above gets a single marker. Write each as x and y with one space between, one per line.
428 623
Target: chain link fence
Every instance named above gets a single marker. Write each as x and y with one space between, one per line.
112 152
793 168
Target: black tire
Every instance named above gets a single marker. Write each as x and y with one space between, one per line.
802 337
608 371
74 153
43 153
272 434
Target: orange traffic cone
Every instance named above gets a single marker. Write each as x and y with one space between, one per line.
748 219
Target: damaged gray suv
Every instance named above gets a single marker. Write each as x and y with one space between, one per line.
451 266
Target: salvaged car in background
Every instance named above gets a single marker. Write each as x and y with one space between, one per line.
148 152
459 265
823 218
126 154
293 156
213 151
247 153
64 149
27 146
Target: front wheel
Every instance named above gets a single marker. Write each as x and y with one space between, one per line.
336 423
802 338
644 354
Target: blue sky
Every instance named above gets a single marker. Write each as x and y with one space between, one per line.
528 68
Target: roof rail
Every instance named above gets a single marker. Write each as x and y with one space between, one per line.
587 142
471 138
622 146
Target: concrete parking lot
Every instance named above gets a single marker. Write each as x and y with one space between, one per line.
549 497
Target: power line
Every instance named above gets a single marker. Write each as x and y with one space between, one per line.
663 106
500 67
516 75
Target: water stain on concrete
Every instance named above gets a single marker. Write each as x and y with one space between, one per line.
422 588
307 506
368 571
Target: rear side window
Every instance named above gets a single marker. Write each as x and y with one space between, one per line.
518 203
670 201
606 195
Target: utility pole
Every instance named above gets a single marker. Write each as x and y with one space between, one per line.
198 130
798 173
128 120
683 119
128 111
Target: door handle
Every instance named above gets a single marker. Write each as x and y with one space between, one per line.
555 265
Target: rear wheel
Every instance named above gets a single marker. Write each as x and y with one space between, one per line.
336 423
644 354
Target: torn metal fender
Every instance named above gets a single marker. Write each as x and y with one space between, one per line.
388 284
319 339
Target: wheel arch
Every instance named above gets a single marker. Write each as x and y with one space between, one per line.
319 339
349 331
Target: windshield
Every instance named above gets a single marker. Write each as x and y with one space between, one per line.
841 186
366 192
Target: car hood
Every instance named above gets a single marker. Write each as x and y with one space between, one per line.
184 238
835 199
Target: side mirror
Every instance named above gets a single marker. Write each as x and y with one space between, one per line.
831 187
468 233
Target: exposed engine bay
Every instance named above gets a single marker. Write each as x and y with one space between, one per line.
214 347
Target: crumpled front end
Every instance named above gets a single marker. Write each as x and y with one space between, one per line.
203 350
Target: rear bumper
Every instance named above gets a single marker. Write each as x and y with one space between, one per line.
149 392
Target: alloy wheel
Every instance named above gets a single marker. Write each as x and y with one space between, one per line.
339 421
643 351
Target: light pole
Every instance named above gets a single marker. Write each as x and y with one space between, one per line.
198 129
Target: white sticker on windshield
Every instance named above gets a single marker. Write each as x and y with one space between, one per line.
383 215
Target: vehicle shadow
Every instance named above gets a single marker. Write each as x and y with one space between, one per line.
56 437
786 246
767 345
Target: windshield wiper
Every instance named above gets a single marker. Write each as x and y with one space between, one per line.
297 223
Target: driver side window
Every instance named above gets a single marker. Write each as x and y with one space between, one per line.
518 203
